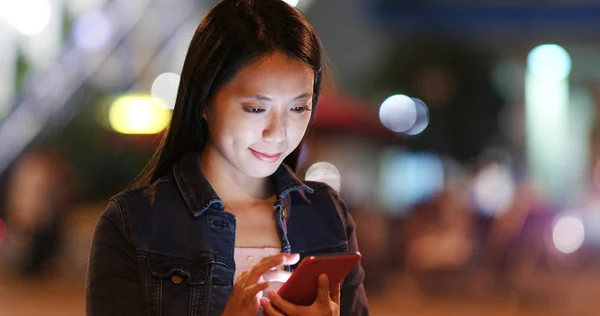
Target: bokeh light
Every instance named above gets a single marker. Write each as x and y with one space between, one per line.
549 147
549 62
293 3
165 88
324 172
29 17
398 113
92 31
409 178
138 115
422 118
568 234
493 189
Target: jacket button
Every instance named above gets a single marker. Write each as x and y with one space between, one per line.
176 279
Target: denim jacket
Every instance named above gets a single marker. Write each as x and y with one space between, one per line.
167 249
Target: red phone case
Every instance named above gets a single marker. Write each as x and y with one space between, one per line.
301 287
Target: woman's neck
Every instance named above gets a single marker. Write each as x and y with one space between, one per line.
230 184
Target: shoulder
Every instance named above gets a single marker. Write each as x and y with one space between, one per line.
318 221
324 202
144 192
156 210
143 205
325 195
319 186
145 197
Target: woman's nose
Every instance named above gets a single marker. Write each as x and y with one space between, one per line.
275 131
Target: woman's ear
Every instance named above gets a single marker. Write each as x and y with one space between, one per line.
206 111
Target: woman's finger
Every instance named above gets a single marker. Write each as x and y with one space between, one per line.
269 309
241 278
277 275
251 291
270 262
264 265
281 304
323 297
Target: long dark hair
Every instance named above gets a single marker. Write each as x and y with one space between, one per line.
231 35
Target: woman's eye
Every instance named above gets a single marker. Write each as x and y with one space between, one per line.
254 110
300 109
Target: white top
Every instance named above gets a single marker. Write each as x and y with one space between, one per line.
245 258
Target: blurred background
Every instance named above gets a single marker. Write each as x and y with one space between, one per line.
463 135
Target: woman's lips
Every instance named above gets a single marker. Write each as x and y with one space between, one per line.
264 156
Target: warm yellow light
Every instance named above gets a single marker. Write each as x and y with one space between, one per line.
138 114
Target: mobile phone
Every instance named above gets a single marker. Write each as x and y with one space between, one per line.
301 287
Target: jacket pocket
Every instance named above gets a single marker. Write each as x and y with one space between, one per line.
176 286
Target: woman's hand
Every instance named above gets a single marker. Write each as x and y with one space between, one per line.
244 296
326 303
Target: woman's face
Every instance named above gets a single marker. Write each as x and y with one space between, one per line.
260 117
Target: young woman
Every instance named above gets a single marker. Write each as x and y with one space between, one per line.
218 212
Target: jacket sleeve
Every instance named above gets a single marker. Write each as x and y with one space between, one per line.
353 300
112 282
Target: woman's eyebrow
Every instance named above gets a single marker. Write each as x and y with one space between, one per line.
260 97
306 95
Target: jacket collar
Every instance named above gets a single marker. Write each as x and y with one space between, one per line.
200 196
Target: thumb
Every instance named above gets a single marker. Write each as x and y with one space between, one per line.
323 290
